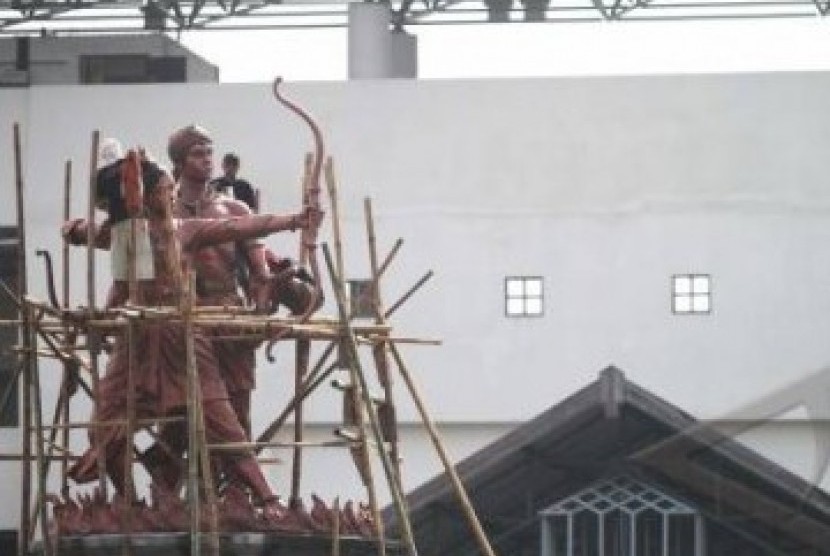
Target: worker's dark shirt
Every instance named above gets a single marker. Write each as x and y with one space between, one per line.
239 189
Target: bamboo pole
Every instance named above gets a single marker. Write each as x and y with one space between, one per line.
198 458
241 446
458 487
388 468
67 202
334 203
365 465
391 255
41 467
11 387
302 352
335 528
19 457
114 423
397 305
129 492
193 452
26 448
46 459
379 350
92 336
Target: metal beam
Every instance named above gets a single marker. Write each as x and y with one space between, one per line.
30 17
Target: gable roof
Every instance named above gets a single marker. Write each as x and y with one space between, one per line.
608 427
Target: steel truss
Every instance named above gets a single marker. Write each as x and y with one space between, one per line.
48 17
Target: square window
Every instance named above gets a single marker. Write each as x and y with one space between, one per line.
524 296
691 294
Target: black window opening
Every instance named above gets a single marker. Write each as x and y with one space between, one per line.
132 68
9 362
691 294
361 304
524 296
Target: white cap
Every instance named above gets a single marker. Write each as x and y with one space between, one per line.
109 151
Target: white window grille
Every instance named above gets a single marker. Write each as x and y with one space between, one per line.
691 294
524 296
621 517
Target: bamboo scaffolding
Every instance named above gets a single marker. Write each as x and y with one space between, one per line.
61 409
68 333
360 454
379 350
392 481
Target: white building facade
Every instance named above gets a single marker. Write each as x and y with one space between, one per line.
613 194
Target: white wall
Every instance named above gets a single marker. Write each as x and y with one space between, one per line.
605 186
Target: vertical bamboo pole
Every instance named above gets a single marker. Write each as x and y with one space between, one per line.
53 433
302 351
67 208
198 456
93 339
26 425
366 474
379 351
39 459
193 451
366 462
132 366
61 413
67 198
335 529
334 203
129 493
388 468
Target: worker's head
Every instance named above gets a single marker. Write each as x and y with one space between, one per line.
191 151
230 165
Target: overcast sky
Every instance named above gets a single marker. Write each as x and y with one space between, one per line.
513 50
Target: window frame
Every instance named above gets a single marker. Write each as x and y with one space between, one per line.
692 294
524 297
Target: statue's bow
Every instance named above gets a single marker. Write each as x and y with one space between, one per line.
311 198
